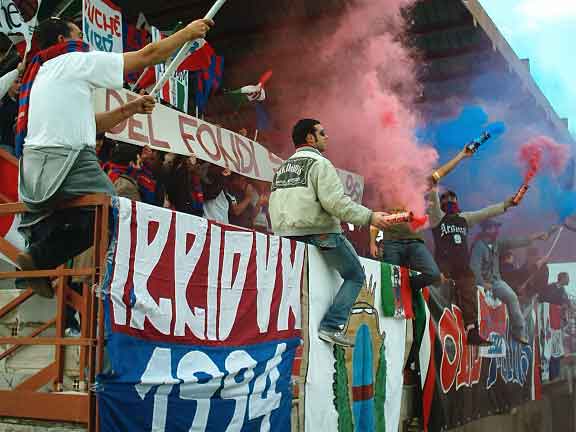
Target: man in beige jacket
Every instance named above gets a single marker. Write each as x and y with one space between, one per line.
308 204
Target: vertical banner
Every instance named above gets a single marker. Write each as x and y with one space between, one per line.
179 91
551 340
357 388
19 17
202 324
102 25
166 93
462 383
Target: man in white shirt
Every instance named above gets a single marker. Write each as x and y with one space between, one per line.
59 160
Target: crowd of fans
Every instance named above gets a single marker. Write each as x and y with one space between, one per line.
185 184
182 183
308 203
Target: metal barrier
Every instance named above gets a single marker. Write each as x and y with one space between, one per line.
25 400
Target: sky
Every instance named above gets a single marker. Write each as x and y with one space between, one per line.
543 31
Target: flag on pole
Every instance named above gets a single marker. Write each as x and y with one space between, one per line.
208 81
175 91
396 292
136 37
21 19
250 93
199 57
159 69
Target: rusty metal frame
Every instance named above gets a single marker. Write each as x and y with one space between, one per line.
26 400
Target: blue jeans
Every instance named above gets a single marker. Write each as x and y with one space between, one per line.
507 295
415 255
341 256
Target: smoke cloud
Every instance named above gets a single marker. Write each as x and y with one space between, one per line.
355 74
543 153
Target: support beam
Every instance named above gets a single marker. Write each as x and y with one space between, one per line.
45 406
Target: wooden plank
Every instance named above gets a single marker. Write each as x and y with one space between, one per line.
9 249
45 406
16 302
84 201
46 273
15 340
60 327
11 208
75 300
39 379
35 333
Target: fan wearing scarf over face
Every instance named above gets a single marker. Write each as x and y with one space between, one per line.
450 228
56 135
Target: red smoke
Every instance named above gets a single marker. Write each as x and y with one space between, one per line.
350 69
418 222
543 153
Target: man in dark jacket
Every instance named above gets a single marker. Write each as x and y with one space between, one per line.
485 263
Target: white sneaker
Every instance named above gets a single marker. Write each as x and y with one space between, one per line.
335 337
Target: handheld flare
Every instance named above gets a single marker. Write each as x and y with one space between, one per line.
474 145
408 217
520 194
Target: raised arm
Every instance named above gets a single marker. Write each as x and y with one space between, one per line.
7 80
241 206
521 242
160 51
445 169
435 213
107 120
475 217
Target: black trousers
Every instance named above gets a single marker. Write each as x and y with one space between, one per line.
465 287
61 236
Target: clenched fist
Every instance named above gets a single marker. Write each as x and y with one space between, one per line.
379 220
199 28
141 105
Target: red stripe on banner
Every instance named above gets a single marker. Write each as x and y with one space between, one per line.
112 5
8 188
6 223
235 295
9 170
430 384
426 294
166 92
536 367
555 317
362 393
406 293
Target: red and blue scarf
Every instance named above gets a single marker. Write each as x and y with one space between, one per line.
28 79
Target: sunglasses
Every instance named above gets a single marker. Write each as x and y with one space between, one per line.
322 132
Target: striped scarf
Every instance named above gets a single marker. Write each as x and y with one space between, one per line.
28 79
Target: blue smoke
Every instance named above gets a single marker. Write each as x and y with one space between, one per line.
493 173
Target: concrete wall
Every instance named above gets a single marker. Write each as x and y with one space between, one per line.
554 413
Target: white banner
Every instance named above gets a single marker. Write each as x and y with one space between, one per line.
172 131
19 18
102 25
343 387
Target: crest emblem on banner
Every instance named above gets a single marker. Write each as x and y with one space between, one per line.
360 372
